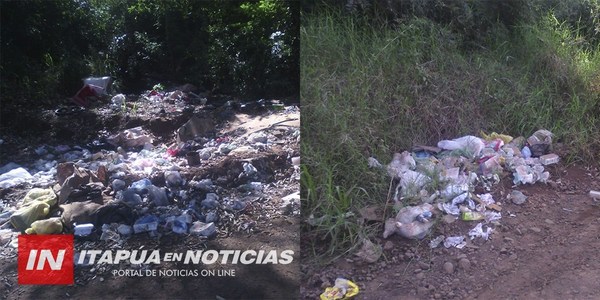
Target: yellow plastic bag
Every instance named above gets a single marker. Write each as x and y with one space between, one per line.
24 216
43 195
494 135
342 290
48 226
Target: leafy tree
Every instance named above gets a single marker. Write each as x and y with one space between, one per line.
246 48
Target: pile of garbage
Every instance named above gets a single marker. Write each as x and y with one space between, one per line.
443 180
126 183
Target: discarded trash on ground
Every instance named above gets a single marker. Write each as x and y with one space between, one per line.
369 251
445 178
201 179
342 290
411 222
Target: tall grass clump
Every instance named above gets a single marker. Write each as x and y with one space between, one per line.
372 89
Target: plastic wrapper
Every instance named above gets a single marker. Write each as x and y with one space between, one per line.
47 226
478 231
492 136
453 190
25 216
14 177
412 222
473 145
374 163
132 137
401 163
412 182
541 136
43 195
471 216
342 290
455 241
549 159
434 243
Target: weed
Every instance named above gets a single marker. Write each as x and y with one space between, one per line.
373 91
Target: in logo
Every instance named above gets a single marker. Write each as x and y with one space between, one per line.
45 259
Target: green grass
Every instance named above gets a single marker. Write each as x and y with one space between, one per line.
372 91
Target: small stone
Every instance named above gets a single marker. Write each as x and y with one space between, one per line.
508 240
423 265
535 229
437 296
549 222
503 251
448 219
464 264
101 279
421 291
449 267
420 275
388 246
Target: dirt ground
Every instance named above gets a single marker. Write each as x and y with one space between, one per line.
546 248
272 228
250 281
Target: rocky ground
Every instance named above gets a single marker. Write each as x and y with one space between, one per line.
545 248
248 150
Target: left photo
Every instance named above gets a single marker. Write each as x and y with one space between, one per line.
150 149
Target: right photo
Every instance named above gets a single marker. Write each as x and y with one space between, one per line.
450 149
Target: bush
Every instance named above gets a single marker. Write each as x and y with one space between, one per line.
243 48
372 90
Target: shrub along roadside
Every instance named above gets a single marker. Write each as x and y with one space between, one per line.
370 90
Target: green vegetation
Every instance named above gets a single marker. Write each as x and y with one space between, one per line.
239 48
376 83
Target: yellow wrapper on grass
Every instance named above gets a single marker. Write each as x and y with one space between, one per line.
343 289
494 135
